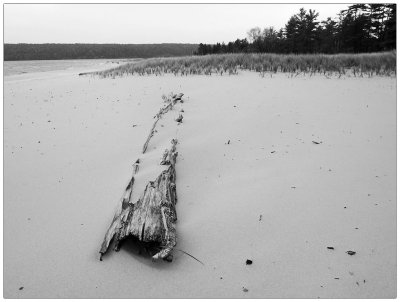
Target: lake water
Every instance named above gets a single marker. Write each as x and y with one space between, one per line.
12 68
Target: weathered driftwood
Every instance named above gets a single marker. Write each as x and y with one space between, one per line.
152 218
170 104
123 204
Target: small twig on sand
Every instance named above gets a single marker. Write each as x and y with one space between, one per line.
190 256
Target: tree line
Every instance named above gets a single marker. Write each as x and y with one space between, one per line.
359 28
16 52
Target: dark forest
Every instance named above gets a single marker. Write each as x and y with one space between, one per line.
360 28
16 52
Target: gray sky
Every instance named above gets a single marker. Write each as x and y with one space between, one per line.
146 23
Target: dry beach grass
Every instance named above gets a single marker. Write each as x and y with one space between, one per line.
355 64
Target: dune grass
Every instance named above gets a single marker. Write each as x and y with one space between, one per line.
367 64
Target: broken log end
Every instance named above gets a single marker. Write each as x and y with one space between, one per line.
152 218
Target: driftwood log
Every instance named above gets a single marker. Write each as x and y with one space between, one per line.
170 104
152 218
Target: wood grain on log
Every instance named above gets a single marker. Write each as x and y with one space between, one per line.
151 219
123 204
170 104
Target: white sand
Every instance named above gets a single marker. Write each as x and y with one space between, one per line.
60 194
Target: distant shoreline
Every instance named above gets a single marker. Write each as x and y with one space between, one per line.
76 66
53 51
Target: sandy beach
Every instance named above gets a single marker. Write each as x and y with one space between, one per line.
310 164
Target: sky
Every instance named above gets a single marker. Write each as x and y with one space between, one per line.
146 23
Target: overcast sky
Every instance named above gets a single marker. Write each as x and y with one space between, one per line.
146 23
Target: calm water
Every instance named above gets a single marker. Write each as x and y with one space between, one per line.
24 67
